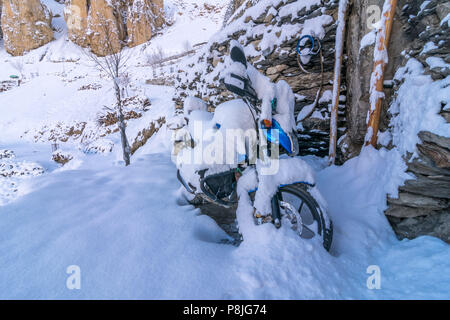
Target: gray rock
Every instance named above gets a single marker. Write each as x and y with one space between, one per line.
442 10
431 186
436 225
417 201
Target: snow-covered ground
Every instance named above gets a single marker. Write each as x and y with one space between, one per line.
132 237
130 232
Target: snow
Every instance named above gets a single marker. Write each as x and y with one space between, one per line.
423 6
192 22
367 40
426 102
436 62
446 19
428 47
146 243
297 6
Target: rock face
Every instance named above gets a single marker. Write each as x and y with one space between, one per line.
143 17
106 28
76 16
26 25
107 25
359 70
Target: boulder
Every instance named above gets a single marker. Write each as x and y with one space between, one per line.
437 225
26 25
417 201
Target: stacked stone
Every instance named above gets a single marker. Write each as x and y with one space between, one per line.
423 205
280 63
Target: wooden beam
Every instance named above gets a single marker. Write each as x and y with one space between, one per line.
376 82
339 50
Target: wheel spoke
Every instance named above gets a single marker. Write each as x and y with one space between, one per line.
305 231
309 222
301 206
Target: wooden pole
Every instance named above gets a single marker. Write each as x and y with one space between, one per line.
376 82
339 49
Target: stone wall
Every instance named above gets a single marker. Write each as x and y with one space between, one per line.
404 36
278 62
423 205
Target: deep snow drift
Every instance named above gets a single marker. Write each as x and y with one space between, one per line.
132 237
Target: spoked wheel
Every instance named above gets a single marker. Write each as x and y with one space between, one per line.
304 214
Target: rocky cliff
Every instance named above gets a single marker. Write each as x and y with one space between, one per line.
76 16
107 25
143 17
26 25
103 25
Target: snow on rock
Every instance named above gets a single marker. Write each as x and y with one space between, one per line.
13 173
418 112
106 28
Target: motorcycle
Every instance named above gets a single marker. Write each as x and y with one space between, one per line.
294 200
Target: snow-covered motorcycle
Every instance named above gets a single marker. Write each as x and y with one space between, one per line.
281 186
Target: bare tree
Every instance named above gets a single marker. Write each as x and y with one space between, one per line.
156 57
112 64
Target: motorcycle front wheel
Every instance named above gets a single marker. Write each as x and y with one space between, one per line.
296 203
